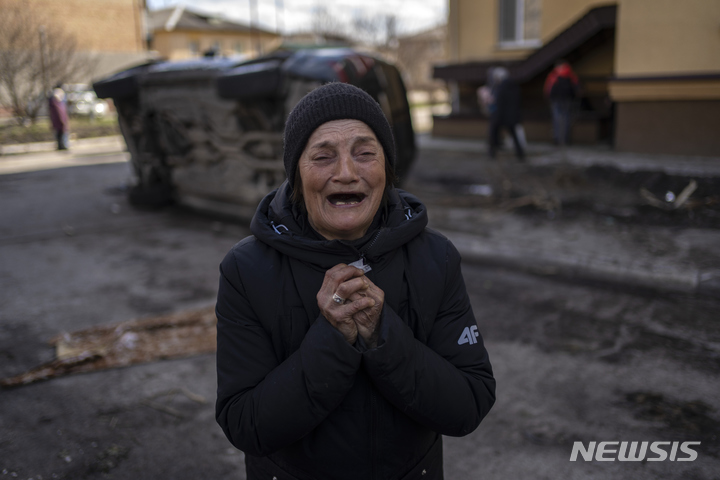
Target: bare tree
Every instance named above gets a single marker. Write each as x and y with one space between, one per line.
416 55
326 24
391 37
366 28
376 31
35 53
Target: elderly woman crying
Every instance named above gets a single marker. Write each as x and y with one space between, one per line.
346 341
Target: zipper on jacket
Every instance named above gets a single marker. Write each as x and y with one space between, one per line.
369 245
362 262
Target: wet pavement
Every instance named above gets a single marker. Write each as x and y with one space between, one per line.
578 356
74 255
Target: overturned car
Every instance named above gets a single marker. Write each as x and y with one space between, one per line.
207 133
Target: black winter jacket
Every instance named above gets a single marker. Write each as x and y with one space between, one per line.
507 103
304 404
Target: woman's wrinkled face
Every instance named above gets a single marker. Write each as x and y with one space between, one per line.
342 171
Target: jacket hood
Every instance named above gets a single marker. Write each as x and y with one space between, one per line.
280 224
564 70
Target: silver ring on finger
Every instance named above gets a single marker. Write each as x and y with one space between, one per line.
338 299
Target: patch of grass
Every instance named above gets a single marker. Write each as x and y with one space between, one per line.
42 131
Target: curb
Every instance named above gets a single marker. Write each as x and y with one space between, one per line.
545 154
84 152
22 148
605 269
41 147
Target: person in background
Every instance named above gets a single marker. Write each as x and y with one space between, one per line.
507 112
561 88
59 117
485 96
486 101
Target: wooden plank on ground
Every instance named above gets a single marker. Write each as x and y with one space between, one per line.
127 343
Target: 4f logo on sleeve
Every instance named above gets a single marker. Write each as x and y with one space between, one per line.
469 335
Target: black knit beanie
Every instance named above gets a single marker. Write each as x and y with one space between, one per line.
333 101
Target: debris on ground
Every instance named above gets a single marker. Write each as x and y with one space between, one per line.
672 202
540 200
110 458
127 343
482 190
687 419
566 192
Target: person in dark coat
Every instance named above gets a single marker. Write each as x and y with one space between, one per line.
506 114
59 117
347 345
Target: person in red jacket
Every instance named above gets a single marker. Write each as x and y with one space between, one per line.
561 88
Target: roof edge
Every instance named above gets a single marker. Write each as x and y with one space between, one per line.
587 26
174 18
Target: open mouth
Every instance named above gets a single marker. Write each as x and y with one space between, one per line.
346 198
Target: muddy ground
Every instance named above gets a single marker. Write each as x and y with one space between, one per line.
564 192
575 361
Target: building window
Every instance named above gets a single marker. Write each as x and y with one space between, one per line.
519 23
239 48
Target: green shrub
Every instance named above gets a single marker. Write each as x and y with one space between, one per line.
42 131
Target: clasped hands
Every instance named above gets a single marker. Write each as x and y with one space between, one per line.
352 303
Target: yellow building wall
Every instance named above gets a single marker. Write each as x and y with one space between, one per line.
601 63
98 25
654 37
175 45
477 29
171 45
473 27
668 37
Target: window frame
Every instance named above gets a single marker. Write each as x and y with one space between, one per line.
519 41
